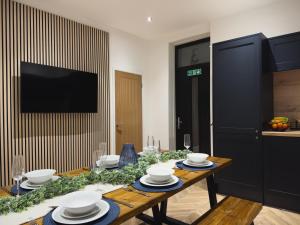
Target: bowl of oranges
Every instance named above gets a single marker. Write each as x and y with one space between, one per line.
279 123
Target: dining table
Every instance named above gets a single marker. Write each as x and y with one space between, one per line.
134 203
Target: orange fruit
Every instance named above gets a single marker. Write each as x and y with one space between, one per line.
284 126
279 125
274 126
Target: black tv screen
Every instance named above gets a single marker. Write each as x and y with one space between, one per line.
46 89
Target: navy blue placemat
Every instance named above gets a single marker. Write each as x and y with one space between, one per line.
138 185
110 217
113 168
14 191
180 165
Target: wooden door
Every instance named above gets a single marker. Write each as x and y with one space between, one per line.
128 110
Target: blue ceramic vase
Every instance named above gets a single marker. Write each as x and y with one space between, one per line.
128 155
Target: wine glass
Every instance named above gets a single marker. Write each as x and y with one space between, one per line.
96 165
187 141
103 154
18 169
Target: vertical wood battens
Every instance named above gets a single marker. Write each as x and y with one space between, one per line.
62 141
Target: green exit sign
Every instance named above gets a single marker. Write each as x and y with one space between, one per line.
194 72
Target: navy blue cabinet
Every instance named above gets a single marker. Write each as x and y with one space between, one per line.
285 52
281 172
242 103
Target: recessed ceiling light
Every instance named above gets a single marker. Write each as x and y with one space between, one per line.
149 19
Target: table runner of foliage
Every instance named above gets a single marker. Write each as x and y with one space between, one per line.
64 185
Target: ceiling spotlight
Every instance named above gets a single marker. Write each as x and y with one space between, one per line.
149 19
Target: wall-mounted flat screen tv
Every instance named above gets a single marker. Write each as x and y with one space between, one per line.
47 89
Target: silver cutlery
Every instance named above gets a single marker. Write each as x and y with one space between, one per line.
120 202
136 191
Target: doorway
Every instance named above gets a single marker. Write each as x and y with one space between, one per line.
128 92
192 94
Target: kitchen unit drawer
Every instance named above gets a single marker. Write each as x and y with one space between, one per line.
282 172
285 52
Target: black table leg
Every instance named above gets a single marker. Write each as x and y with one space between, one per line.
211 191
156 215
163 209
155 220
165 219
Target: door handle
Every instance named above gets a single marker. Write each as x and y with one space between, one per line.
118 126
179 122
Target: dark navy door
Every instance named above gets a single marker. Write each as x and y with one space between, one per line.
192 87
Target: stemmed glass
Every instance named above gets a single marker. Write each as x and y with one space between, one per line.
18 169
103 156
98 157
187 141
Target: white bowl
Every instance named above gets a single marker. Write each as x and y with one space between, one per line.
80 202
110 160
197 157
40 176
160 174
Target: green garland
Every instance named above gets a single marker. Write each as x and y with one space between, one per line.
64 185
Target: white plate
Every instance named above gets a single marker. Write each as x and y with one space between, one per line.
111 166
206 163
67 215
144 181
29 186
57 214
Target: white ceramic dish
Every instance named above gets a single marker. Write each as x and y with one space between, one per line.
145 180
197 157
206 163
109 160
68 215
40 176
111 166
80 202
160 174
150 181
30 186
57 214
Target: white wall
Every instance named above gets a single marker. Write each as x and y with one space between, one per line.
156 89
272 20
127 53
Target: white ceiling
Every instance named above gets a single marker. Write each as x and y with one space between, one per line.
169 16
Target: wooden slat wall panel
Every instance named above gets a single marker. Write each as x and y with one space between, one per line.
63 141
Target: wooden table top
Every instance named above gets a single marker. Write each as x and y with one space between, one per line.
142 203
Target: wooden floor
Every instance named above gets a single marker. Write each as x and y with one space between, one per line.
189 204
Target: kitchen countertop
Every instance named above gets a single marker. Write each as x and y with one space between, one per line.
289 133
